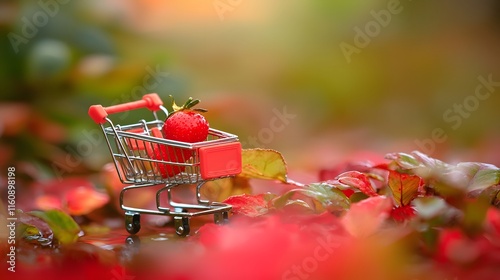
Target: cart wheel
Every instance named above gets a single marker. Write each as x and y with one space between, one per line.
133 240
132 222
182 226
221 218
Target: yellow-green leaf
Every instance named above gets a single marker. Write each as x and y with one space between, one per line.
263 164
219 190
404 187
65 229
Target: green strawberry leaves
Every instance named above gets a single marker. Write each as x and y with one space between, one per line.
189 104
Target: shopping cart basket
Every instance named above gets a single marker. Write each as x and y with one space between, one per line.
143 158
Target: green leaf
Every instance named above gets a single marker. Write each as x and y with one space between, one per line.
357 197
263 164
430 206
324 197
463 177
281 201
34 229
404 187
417 163
331 198
221 189
65 229
404 160
475 212
480 175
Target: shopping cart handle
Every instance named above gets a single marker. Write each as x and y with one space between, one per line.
99 113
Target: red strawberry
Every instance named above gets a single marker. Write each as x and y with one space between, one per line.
186 124
169 154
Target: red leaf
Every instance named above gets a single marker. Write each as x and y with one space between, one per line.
403 213
357 180
46 202
493 220
454 246
81 200
365 217
76 196
404 187
248 205
363 161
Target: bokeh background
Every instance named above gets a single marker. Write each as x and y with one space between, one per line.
247 60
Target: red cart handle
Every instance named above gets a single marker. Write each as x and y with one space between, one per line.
151 101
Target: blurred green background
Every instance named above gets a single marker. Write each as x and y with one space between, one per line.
247 60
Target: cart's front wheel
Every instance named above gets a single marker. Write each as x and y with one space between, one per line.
133 240
132 222
182 226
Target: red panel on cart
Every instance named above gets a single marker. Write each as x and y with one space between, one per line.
220 160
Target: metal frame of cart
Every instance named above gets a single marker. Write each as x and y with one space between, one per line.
143 158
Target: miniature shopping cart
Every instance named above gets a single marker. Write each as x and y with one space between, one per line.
143 158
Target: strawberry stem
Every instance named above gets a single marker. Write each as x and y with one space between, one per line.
188 105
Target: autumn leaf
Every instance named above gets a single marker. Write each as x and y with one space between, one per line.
323 197
76 196
478 176
404 187
403 213
248 205
366 217
81 200
357 180
263 164
219 190
34 229
465 176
